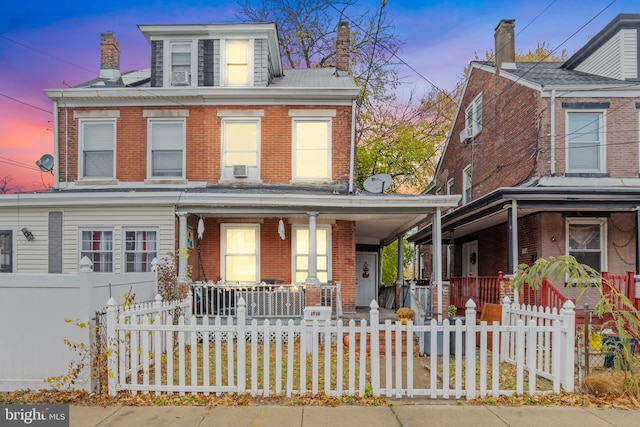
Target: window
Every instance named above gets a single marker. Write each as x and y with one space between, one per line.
439 191
301 253
238 64
140 249
97 245
6 251
166 146
585 142
312 149
586 242
97 143
450 190
473 118
181 64
241 141
466 185
240 250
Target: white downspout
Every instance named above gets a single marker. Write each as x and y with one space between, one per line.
352 152
56 146
552 141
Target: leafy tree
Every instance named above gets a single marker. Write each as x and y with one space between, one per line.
390 261
541 53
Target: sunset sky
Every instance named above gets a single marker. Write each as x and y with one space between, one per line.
43 44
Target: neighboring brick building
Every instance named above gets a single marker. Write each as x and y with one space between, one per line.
546 157
215 137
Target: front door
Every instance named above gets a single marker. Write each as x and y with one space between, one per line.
366 278
470 258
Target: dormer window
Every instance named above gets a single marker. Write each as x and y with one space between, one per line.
238 62
180 64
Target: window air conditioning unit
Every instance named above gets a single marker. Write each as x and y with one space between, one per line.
465 135
240 171
179 78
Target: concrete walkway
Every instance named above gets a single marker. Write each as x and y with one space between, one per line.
405 415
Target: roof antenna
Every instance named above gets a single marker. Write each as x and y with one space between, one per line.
66 84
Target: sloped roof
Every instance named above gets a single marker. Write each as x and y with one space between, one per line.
553 73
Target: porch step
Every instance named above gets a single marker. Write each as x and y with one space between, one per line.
382 343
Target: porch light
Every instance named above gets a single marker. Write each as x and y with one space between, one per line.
27 234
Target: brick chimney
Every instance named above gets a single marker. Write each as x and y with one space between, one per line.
505 47
342 49
109 56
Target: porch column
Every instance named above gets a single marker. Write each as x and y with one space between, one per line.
182 243
400 275
436 241
312 274
312 283
512 244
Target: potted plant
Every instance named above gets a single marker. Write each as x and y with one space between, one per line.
452 310
405 314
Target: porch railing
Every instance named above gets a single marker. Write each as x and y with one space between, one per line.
262 300
480 289
623 283
546 296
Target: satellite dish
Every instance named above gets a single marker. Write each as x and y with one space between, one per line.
45 163
377 183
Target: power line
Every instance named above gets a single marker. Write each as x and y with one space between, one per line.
46 54
25 103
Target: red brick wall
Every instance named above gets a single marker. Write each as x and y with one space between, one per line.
275 255
501 154
621 137
204 142
343 246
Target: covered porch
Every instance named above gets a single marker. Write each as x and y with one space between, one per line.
302 248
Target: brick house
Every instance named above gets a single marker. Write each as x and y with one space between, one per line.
217 149
546 158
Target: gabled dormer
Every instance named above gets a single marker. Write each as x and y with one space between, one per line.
213 55
614 52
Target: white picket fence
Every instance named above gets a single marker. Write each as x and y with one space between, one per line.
149 353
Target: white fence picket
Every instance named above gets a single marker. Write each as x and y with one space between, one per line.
537 341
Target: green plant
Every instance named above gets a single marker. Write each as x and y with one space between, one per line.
452 310
619 313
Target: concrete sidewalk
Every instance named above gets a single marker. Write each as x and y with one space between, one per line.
406 415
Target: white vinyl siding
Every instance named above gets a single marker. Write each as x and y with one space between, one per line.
32 257
97 142
617 58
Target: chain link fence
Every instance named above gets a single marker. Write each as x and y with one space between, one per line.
601 351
